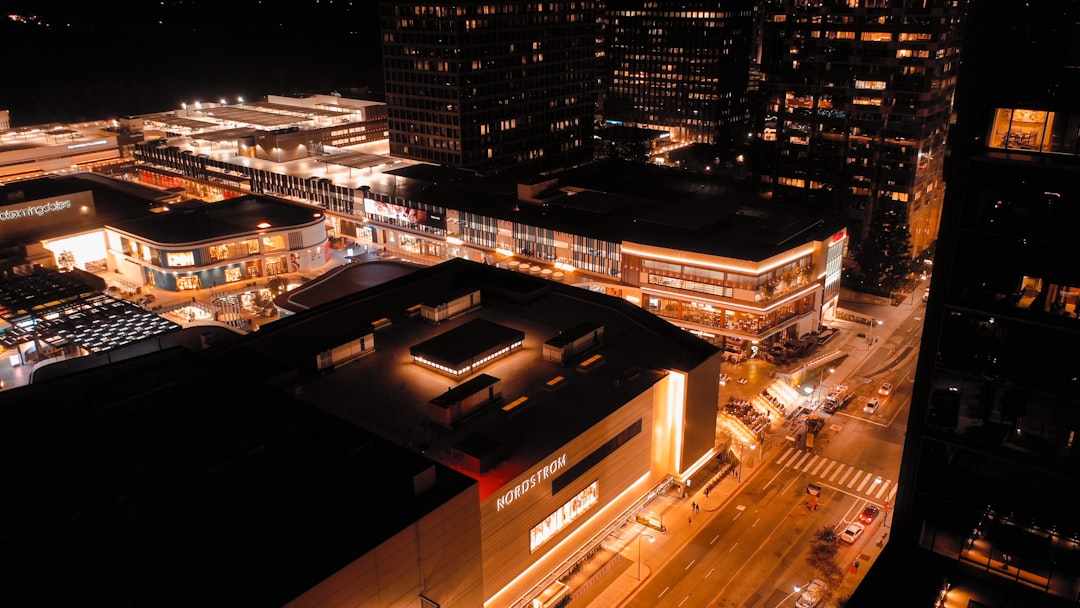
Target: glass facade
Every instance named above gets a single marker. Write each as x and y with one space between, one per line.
490 86
990 461
856 99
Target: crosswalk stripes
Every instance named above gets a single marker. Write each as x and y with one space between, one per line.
837 473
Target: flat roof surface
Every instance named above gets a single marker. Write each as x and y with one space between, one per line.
623 201
295 110
356 160
342 281
250 117
114 200
196 221
388 392
170 119
226 134
67 309
172 473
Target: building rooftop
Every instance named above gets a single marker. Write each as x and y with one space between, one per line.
387 392
623 201
172 473
194 220
113 201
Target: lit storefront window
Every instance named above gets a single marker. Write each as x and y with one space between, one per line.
273 243
564 515
180 258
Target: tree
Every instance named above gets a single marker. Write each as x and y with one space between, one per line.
884 258
822 556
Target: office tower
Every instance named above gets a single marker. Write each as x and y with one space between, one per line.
489 86
679 66
857 98
990 463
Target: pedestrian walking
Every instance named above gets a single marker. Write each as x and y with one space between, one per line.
689 521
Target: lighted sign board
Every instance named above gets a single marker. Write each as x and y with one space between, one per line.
32 217
405 215
542 474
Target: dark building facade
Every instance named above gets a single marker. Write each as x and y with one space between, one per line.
488 86
856 101
985 507
681 67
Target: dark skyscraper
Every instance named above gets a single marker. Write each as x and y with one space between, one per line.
489 86
857 100
990 473
681 67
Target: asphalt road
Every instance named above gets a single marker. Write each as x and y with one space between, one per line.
752 551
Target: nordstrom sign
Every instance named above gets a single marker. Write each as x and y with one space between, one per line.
530 482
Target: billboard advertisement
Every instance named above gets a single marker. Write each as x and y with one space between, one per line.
404 215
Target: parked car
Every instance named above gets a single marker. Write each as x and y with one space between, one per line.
812 594
852 532
870 407
869 514
886 389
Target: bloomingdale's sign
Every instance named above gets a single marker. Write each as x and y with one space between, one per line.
34 210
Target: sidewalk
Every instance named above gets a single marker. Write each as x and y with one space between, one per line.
619 586
664 545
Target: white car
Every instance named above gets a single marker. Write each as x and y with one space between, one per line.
870 407
852 532
886 389
812 594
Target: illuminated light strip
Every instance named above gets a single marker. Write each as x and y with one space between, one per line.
676 402
729 304
471 366
755 269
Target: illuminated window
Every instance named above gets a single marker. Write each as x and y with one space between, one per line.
564 515
180 258
1034 130
876 36
876 85
273 243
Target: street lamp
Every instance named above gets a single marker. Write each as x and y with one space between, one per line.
742 456
651 539
870 335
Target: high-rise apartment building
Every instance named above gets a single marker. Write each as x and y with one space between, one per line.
857 96
986 502
678 66
489 86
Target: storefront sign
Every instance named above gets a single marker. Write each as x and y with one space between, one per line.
7 215
87 144
542 474
34 218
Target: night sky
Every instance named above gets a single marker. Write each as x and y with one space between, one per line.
73 61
